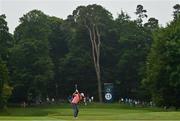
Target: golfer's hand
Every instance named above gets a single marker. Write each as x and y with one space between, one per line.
76 90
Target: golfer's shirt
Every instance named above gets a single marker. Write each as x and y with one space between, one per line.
76 98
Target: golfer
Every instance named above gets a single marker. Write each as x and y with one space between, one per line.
76 98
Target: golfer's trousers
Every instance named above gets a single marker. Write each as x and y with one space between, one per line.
75 109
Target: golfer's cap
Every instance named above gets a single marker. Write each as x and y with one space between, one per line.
82 94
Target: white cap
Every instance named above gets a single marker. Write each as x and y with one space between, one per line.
82 94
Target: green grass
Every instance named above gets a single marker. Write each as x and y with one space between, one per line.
92 112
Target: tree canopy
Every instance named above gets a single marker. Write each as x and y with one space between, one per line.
6 42
46 56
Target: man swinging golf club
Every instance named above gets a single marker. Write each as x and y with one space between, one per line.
76 98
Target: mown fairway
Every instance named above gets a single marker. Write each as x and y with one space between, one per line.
92 112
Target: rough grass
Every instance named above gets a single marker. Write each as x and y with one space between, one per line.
92 112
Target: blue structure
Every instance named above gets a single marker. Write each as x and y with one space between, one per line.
108 92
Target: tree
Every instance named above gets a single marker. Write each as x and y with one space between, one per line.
6 39
163 68
5 89
152 24
58 42
176 12
6 42
141 13
30 58
77 65
134 42
94 18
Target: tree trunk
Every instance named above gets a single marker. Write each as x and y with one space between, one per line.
99 87
95 42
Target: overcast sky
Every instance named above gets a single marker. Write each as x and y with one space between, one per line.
14 9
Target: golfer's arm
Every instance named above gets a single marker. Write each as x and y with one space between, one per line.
74 93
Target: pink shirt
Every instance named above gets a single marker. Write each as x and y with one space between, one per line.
76 98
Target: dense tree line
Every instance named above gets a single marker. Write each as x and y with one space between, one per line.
6 41
46 56
163 66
